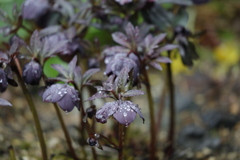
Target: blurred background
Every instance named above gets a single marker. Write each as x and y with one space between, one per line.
207 97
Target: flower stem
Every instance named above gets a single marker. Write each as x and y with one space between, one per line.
151 114
33 110
121 141
170 148
64 128
11 153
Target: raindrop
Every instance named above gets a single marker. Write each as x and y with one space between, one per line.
126 124
124 114
66 112
35 71
59 92
96 135
1 80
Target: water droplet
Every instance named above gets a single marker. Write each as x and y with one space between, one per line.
126 124
59 92
35 71
124 114
1 80
96 135
66 112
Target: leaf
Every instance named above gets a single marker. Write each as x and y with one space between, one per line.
156 65
49 30
5 103
62 70
133 92
121 80
78 76
179 2
163 60
72 66
113 50
88 74
100 94
55 48
167 47
121 39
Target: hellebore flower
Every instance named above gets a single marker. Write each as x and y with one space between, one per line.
123 111
3 81
32 73
33 9
62 94
118 61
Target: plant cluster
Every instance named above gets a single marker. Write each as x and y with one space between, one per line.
144 33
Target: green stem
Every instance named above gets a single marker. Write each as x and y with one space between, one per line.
151 114
33 110
64 128
11 153
170 147
121 141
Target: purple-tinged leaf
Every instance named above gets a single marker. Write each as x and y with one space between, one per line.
132 33
163 60
157 39
134 92
78 77
49 30
61 69
5 103
121 80
121 39
88 74
122 2
35 43
72 66
113 50
167 47
55 48
100 94
156 65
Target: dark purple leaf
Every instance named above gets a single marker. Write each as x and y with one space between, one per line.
61 69
88 74
99 94
121 39
121 80
134 92
5 103
72 65
132 32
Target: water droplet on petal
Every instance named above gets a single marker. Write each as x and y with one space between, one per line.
124 114
1 80
66 112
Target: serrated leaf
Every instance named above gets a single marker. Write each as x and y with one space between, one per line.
156 65
121 38
132 32
5 103
88 74
132 93
61 69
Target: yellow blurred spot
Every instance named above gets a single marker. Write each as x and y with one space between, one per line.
227 53
178 66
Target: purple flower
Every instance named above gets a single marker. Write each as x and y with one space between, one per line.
118 61
123 111
62 94
33 9
3 81
32 73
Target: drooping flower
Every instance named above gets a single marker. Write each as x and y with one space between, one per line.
33 9
62 94
32 73
123 111
3 81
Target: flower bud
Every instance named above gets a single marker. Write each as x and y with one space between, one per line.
32 73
